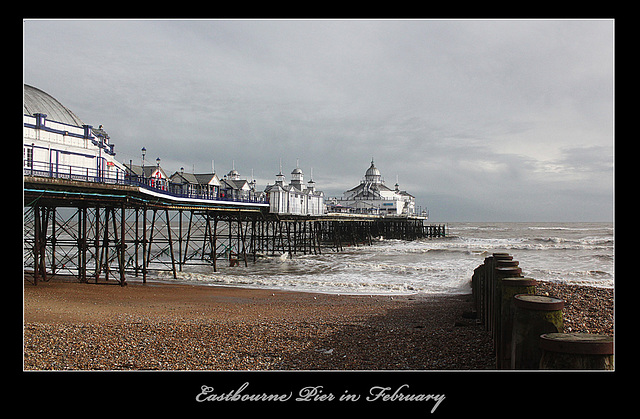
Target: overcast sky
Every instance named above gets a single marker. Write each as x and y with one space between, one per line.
481 120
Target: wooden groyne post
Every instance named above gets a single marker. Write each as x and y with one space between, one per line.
528 329
576 351
510 288
533 316
502 272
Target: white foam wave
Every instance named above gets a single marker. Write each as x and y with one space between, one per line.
428 265
561 228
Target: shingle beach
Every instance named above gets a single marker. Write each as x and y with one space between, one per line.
160 326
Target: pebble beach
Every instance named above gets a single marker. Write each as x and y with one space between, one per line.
160 326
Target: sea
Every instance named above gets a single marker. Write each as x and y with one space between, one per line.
568 253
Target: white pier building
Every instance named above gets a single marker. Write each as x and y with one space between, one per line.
372 196
56 143
296 197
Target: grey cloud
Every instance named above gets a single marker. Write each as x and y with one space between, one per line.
461 111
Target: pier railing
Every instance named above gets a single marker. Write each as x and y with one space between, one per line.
118 177
527 329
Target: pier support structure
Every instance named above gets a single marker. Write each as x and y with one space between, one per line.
108 239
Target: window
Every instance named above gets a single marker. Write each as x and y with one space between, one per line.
28 157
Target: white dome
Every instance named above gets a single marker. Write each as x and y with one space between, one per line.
373 171
372 174
37 101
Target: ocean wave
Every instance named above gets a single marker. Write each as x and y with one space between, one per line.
585 242
565 228
331 284
536 243
582 240
428 265
390 268
436 250
480 228
465 251
484 246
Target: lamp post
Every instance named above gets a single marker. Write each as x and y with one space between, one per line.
158 177
144 151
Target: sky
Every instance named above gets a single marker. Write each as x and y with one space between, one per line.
480 120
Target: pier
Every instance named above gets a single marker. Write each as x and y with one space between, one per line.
98 231
86 214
